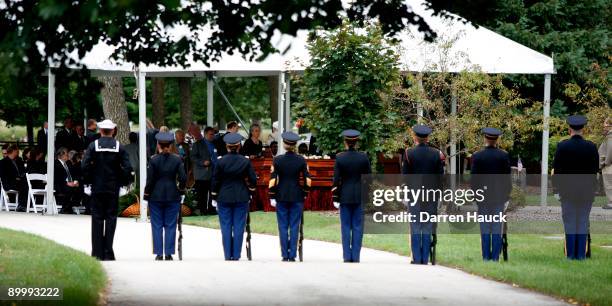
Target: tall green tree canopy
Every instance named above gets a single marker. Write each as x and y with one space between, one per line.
349 85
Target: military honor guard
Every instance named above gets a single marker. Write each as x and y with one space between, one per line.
165 170
232 183
287 194
106 166
491 173
575 169
425 165
346 190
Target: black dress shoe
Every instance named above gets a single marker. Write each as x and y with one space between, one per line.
285 259
169 257
292 259
346 260
159 257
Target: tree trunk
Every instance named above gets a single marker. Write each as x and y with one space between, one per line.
114 106
186 111
273 87
159 104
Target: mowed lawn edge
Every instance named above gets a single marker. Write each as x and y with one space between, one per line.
28 260
536 262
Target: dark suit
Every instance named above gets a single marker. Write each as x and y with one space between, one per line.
41 140
107 168
12 173
163 173
575 166
66 138
202 174
348 168
491 169
425 166
285 188
65 195
232 182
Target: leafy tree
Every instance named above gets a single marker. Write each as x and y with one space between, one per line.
349 84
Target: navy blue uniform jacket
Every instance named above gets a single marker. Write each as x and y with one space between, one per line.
285 178
107 167
164 171
491 168
575 166
348 168
233 176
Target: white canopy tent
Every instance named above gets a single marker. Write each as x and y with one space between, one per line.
477 48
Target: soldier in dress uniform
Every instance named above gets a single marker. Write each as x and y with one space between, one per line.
232 183
163 172
346 190
575 166
287 195
425 164
491 173
106 166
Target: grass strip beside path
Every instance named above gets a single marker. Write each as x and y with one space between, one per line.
28 260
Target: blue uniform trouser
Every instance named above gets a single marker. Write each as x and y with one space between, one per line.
164 215
576 225
420 232
351 225
288 216
490 232
232 220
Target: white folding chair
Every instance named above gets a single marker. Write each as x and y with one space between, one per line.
5 198
32 192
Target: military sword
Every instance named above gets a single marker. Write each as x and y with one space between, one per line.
588 250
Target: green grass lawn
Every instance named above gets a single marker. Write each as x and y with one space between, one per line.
534 200
535 261
32 261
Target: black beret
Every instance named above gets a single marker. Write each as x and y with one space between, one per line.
165 137
576 122
232 138
421 130
290 138
491 133
351 134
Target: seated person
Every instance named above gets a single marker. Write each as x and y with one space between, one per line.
253 147
67 190
12 174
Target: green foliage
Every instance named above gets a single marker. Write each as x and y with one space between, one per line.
28 260
575 33
349 84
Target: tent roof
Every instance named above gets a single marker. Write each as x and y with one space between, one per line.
470 48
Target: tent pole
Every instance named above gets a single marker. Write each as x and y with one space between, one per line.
209 99
287 102
51 207
419 103
453 137
142 142
545 134
281 110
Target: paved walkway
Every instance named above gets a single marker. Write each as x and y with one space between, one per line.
204 278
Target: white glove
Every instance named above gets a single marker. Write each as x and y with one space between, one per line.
214 203
273 202
558 197
337 205
506 205
406 203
